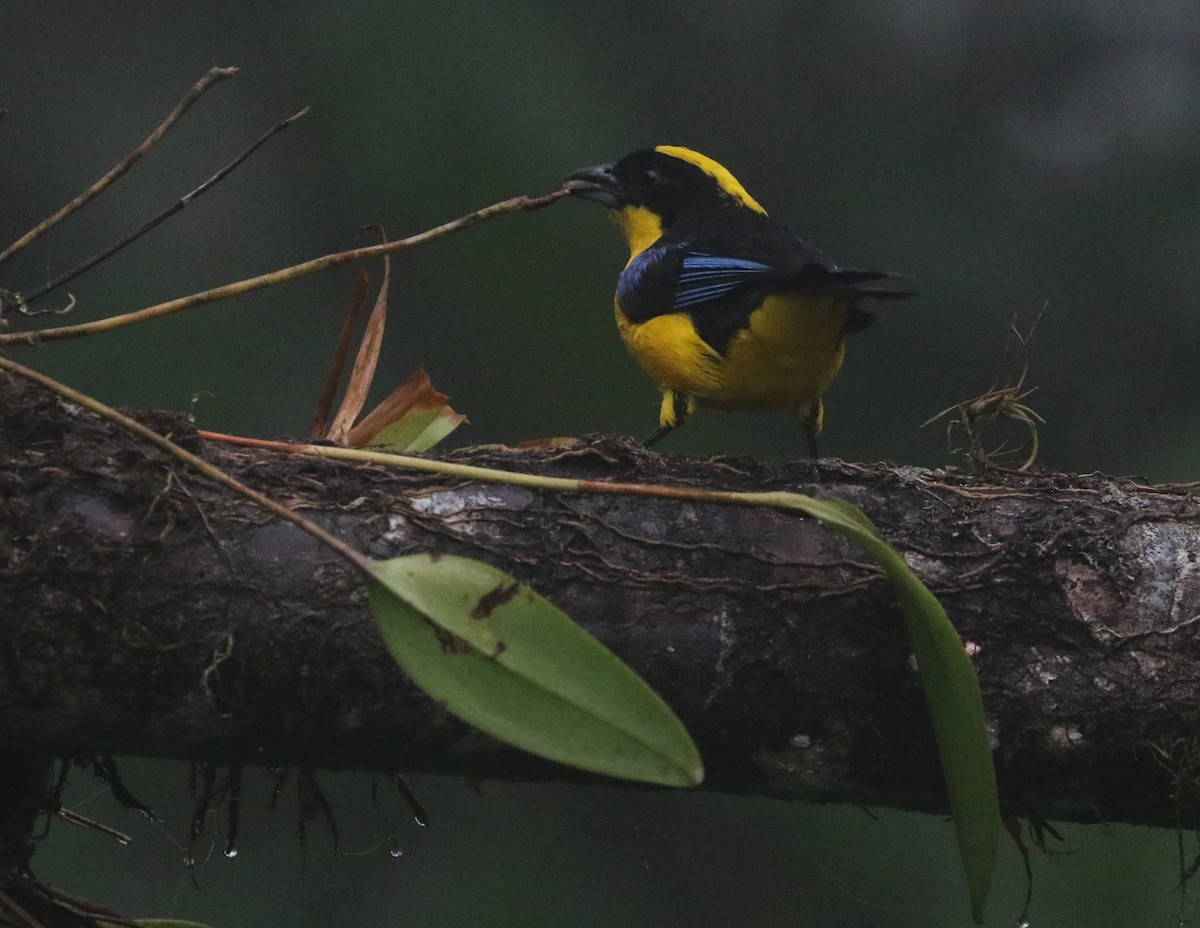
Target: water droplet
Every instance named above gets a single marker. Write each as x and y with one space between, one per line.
395 849
124 840
231 850
1024 923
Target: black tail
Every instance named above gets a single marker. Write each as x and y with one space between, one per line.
849 282
856 284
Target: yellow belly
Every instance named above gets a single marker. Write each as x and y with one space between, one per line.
786 357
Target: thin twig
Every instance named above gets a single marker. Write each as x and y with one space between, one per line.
87 912
514 205
166 214
7 902
11 300
1007 402
208 470
214 75
771 499
82 821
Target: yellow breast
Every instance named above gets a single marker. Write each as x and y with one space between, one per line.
672 353
786 357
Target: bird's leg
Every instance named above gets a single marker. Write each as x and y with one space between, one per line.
675 409
653 438
811 418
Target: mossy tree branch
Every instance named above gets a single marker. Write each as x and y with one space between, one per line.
143 611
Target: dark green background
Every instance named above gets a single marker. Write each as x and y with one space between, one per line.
1009 157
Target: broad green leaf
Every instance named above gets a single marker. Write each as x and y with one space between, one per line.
951 690
419 430
507 661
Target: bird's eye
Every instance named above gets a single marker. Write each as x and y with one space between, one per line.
648 178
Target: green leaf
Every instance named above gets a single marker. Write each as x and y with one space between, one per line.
413 417
419 430
507 661
951 690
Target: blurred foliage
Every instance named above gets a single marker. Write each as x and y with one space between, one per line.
1005 155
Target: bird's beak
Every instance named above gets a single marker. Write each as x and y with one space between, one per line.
597 183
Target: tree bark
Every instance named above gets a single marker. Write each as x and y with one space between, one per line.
146 611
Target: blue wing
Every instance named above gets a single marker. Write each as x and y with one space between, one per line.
704 278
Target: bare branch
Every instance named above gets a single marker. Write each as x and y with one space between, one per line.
166 214
122 166
516 204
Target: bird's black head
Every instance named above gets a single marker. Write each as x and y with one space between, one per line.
668 182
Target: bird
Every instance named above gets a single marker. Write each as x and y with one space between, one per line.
722 305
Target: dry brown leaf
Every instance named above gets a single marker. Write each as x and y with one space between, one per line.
364 364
